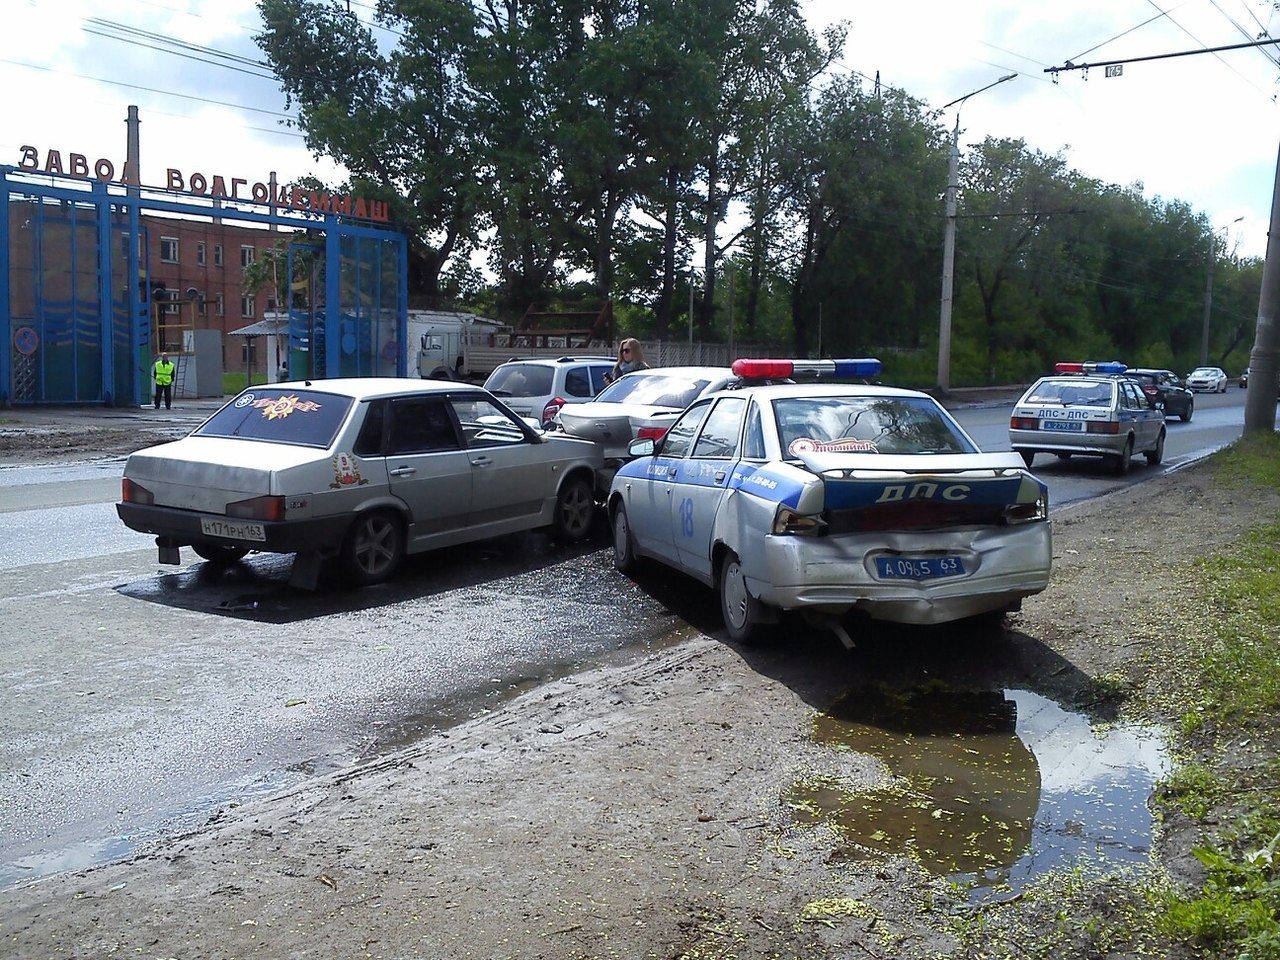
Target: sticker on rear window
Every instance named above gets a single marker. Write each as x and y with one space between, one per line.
244 401
846 445
281 407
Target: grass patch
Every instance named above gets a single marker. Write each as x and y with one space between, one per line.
1251 459
233 383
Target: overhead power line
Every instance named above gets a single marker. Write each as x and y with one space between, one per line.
1202 44
1157 56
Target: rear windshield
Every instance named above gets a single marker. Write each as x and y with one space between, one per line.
1071 393
897 425
654 390
303 417
520 380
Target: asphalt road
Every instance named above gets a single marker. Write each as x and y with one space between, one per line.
139 700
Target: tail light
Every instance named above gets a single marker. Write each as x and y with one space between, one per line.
259 508
1102 426
131 492
787 521
651 433
551 409
1024 423
1027 512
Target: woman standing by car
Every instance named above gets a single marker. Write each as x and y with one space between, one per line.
630 359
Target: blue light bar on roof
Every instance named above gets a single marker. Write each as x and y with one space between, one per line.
1108 366
858 368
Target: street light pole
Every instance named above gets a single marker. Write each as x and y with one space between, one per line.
949 241
1208 299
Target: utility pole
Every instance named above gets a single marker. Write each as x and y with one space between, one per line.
1208 306
731 356
1260 400
949 241
692 277
132 174
819 331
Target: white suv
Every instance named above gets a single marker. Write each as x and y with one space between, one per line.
539 388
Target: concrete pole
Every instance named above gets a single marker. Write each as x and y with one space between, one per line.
692 277
1260 399
1208 307
132 172
731 356
948 263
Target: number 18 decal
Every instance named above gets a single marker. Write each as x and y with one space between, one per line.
686 517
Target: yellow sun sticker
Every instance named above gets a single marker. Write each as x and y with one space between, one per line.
282 406
846 445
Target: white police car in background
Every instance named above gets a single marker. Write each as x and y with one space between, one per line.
830 498
537 388
1092 410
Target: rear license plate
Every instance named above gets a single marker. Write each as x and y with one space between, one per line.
918 568
1075 426
233 529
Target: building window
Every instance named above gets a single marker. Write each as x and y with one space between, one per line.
246 255
201 307
217 254
171 306
168 249
247 306
219 305
200 252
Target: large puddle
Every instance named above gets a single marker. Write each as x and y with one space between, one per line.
989 788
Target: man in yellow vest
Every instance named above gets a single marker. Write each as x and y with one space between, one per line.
162 374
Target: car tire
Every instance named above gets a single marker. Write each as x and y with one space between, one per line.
1120 466
574 512
220 553
1027 456
1155 455
1186 415
740 610
373 548
624 548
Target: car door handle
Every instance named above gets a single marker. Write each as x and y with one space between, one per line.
671 473
403 471
720 475
481 462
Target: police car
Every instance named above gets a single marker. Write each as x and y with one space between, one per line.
828 498
1088 409
361 470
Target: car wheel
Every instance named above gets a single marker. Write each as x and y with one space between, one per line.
219 553
374 547
740 610
575 510
1120 467
1186 416
1027 456
624 549
1156 455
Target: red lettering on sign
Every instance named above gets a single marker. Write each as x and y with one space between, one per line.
219 187
362 209
379 210
236 183
104 170
79 165
296 198
53 162
30 159
342 204
260 193
198 183
175 181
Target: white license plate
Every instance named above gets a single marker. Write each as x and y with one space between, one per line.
1073 426
233 529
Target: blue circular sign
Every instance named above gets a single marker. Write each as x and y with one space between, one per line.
26 341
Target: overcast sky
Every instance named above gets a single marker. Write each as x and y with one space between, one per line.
1200 129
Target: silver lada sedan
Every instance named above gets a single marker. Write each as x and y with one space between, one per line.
364 470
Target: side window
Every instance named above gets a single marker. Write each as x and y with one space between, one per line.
369 442
1131 397
421 425
598 375
680 437
484 425
719 437
577 383
753 439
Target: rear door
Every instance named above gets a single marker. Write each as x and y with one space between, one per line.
510 478
427 467
701 481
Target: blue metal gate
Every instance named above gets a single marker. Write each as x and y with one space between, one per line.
78 329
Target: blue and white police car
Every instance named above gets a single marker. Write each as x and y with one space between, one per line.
829 498
1089 409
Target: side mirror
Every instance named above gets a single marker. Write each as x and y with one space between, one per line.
641 448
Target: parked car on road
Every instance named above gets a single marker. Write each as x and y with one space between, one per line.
831 498
1207 380
364 470
1088 409
1167 390
538 388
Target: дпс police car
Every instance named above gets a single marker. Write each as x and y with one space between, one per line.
1091 410
830 498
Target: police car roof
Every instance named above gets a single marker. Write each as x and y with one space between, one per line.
783 391
365 388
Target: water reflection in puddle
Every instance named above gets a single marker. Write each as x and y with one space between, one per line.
989 787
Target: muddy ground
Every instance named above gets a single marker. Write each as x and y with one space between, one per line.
647 808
